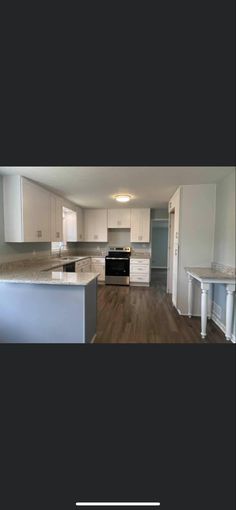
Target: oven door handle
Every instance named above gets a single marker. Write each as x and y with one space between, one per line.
117 258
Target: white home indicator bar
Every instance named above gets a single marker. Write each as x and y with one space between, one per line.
128 503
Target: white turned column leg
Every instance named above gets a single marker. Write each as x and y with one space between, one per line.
204 306
229 310
190 295
210 297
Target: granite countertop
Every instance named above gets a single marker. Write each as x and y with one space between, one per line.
45 272
48 277
207 273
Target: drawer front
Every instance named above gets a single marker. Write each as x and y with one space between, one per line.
139 262
98 260
139 269
85 267
142 278
97 268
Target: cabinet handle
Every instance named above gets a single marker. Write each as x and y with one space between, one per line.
58 235
39 233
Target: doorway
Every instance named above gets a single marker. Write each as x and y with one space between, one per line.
159 251
159 244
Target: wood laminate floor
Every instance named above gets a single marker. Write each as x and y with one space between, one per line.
146 315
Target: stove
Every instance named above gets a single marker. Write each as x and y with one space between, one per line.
117 266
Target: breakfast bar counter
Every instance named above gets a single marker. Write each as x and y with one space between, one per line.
47 306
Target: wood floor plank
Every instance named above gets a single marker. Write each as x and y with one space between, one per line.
146 315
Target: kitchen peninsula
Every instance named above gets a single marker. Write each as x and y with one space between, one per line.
41 303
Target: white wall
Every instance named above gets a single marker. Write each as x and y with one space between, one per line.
224 245
197 220
159 213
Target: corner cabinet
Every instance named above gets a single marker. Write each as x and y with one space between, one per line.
95 225
140 225
27 211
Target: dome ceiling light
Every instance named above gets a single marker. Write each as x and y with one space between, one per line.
123 198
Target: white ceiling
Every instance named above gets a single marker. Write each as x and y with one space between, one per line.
94 186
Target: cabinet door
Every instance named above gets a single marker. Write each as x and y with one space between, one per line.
70 226
80 224
118 218
36 213
56 219
140 225
89 224
101 225
95 225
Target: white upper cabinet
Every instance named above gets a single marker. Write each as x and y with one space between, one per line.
69 225
118 218
56 219
140 226
80 224
95 225
27 211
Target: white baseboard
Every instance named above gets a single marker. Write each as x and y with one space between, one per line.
222 327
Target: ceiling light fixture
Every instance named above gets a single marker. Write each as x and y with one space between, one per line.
122 198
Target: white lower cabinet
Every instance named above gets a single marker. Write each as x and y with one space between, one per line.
93 265
140 271
98 266
83 266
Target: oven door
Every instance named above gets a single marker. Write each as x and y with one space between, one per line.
117 270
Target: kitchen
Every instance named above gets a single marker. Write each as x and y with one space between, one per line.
84 263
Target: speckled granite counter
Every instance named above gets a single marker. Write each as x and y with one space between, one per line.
207 273
45 272
47 277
